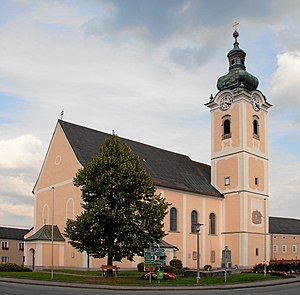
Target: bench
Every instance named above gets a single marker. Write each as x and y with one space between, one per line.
114 269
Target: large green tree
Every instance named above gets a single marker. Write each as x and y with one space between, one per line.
122 214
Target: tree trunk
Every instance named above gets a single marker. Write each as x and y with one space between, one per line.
109 272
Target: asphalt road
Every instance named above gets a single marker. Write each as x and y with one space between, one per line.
17 288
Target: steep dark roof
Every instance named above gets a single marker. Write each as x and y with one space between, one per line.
167 169
281 225
45 234
13 233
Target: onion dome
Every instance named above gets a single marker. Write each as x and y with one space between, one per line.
237 78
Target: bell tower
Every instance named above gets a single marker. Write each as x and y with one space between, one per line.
239 160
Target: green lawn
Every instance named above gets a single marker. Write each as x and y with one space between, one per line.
131 277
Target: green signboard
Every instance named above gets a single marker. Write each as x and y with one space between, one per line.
159 252
148 261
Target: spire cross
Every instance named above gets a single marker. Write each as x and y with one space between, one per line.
235 25
61 114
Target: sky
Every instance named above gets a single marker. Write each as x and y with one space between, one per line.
145 69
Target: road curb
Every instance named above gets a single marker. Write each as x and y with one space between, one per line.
158 288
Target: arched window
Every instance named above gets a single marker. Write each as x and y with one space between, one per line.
45 214
70 209
212 224
226 127
173 219
194 221
256 127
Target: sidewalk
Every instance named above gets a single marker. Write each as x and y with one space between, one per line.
136 288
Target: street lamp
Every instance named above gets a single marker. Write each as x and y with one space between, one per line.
52 233
198 252
265 238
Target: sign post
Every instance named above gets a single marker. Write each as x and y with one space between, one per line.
149 262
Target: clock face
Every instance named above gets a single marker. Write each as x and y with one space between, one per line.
226 102
255 103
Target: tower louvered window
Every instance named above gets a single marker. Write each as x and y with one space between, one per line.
226 127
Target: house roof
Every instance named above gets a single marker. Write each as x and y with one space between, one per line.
45 234
281 225
167 169
165 245
13 233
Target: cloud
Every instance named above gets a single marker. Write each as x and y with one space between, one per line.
285 185
285 82
20 153
16 210
80 73
15 186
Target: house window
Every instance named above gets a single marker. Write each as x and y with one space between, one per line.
256 180
212 224
194 221
227 180
257 252
4 245
173 219
294 248
226 127
4 259
21 246
275 248
283 248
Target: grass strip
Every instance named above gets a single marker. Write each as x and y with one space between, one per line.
132 278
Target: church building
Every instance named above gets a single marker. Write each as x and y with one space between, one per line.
229 198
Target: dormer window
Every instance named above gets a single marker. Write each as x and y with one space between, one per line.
256 127
226 127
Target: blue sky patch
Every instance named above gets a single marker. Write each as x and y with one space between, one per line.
9 106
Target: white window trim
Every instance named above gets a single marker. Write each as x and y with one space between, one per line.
227 180
4 259
294 248
284 248
275 248
4 245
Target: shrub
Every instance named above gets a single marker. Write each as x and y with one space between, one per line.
13 267
169 268
176 263
140 266
287 267
259 268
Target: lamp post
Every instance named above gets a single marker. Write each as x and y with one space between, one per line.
265 238
198 252
52 233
